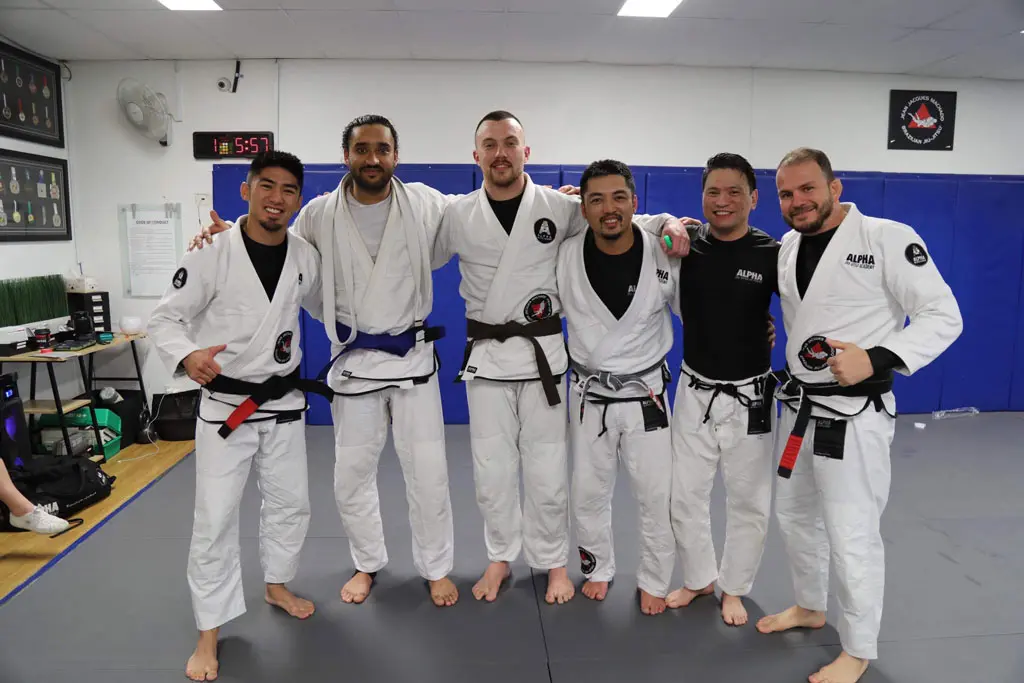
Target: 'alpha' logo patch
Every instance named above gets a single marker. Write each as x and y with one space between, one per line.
283 347
865 261
815 352
538 307
545 230
749 276
662 275
916 255
588 563
180 278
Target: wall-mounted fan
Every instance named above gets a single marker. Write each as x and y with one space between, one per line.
145 109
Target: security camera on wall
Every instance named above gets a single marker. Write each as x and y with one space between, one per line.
224 84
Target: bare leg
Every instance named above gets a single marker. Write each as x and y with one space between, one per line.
845 669
11 496
490 583
279 596
560 588
202 665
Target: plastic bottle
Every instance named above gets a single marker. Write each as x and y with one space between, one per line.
955 412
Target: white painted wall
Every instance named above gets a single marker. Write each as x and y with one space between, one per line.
572 113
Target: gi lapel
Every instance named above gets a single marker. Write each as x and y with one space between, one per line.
329 248
497 305
617 328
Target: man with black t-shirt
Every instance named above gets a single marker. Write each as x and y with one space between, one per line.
848 282
616 285
230 321
723 412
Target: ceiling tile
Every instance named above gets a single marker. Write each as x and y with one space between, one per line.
909 13
157 35
699 41
151 5
353 34
451 5
988 14
367 5
551 37
991 57
21 4
831 47
249 4
573 7
454 35
261 28
781 10
58 36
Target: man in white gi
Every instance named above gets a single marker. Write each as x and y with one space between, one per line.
375 235
723 413
507 237
230 321
847 283
616 284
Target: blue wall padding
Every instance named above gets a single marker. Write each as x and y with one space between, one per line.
929 206
986 278
969 223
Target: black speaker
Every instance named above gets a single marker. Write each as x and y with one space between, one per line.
15 446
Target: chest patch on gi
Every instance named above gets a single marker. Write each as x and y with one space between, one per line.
815 352
662 276
538 307
916 255
866 261
588 563
283 347
180 278
545 230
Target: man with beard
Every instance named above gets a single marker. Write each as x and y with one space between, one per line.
507 237
616 285
230 321
848 282
723 411
374 234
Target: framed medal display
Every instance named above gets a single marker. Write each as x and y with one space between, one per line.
31 107
33 198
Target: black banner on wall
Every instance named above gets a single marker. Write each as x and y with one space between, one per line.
921 119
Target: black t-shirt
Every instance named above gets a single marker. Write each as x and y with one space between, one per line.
725 290
506 210
614 276
267 260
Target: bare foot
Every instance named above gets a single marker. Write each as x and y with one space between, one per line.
650 604
733 611
279 596
443 592
845 669
596 590
560 588
490 583
357 589
681 597
202 665
794 617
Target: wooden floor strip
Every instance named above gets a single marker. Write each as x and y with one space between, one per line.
24 556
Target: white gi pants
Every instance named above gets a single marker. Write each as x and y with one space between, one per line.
222 468
509 422
746 461
417 425
647 457
831 507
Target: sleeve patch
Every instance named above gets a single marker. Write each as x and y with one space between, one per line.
916 254
180 278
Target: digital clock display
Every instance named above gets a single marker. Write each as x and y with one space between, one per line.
239 144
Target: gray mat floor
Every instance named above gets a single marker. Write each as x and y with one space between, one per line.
116 609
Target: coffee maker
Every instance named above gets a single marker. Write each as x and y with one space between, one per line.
81 326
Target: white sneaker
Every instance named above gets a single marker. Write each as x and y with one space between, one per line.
40 521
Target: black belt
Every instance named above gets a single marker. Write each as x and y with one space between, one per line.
763 387
477 330
872 389
259 393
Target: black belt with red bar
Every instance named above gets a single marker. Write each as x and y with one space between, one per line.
259 393
794 389
545 327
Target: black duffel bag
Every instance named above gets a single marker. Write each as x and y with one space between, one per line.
60 485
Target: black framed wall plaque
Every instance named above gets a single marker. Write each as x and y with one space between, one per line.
31 103
922 119
34 203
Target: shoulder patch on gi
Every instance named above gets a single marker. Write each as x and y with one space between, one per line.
545 230
916 255
180 278
538 307
588 563
815 352
300 278
283 347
